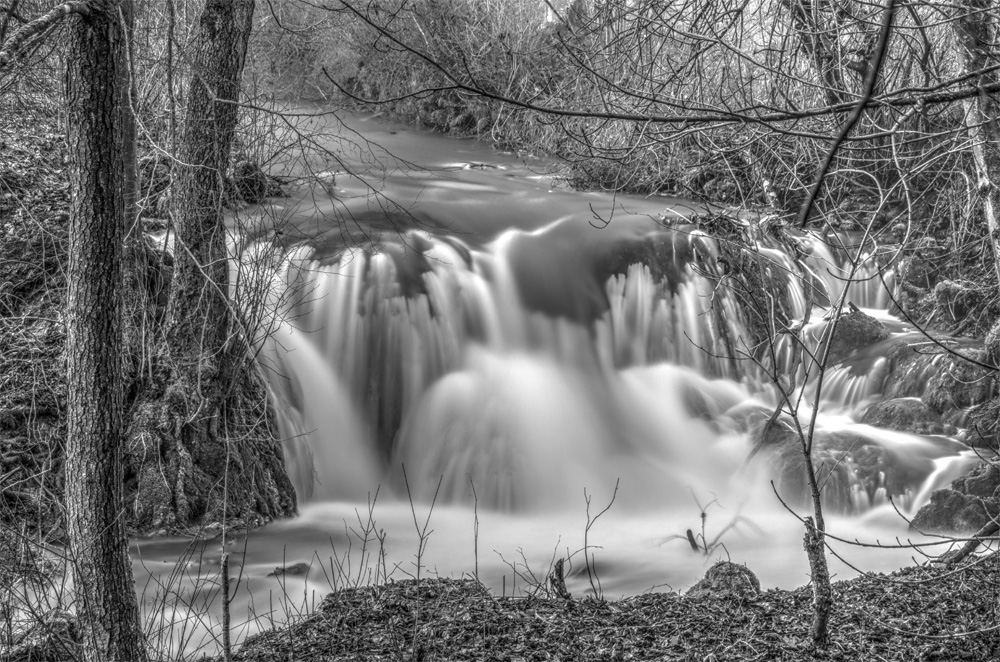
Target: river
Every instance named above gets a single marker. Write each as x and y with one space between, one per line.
479 371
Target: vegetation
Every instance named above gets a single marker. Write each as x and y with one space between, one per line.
911 615
877 119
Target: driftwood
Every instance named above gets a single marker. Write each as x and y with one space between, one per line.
558 582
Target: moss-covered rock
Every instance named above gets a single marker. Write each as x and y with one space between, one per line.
855 330
911 415
952 512
727 581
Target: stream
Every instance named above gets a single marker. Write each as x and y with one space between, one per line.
478 371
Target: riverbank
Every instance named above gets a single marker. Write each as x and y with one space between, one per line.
918 613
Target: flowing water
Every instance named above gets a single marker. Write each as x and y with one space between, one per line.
471 362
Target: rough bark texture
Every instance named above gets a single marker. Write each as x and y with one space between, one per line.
822 592
976 28
102 572
202 444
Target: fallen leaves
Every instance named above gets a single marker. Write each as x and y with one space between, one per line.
900 617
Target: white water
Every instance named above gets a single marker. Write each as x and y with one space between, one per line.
497 345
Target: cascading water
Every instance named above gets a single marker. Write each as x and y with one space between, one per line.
530 380
503 354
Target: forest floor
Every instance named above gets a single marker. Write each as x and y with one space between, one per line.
916 614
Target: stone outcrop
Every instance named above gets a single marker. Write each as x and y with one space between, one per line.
726 581
910 415
965 507
855 330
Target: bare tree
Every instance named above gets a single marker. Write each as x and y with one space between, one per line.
102 571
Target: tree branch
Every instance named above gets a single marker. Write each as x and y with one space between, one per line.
902 98
23 34
870 81
953 558
9 12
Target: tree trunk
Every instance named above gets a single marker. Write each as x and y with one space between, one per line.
819 573
200 321
976 28
102 572
213 458
814 32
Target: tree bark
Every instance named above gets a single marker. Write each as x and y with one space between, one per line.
814 544
976 27
213 458
102 572
200 322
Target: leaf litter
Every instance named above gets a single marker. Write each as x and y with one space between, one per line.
916 614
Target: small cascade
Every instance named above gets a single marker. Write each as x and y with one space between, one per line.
528 376
470 365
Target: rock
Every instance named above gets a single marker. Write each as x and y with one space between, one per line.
296 570
726 581
955 385
950 511
250 181
984 426
857 471
983 481
911 415
950 386
855 330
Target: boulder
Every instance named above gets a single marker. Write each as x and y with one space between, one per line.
855 330
295 570
952 387
952 512
250 181
956 385
983 482
966 506
727 581
911 415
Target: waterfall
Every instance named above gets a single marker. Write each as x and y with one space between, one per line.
539 363
469 363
